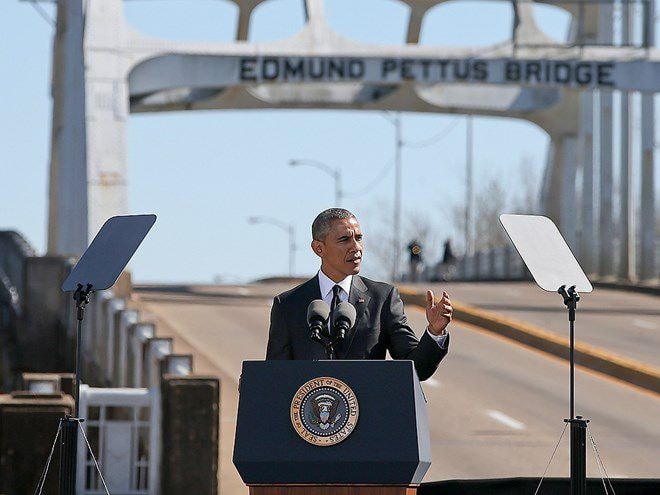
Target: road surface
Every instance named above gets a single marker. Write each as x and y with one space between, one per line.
496 408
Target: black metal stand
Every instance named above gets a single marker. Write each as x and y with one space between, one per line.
68 455
69 424
329 345
328 339
578 455
578 424
330 342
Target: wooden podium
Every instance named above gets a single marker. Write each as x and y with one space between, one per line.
331 428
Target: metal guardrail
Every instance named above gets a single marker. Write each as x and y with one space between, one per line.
499 263
14 248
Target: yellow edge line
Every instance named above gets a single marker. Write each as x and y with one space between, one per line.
589 356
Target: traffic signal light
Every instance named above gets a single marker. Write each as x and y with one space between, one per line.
415 251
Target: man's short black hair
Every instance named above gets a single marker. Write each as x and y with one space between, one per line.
322 222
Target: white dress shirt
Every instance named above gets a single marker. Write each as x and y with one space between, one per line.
326 284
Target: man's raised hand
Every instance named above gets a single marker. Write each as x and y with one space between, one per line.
438 314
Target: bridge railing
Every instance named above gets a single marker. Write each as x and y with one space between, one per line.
504 263
499 263
14 249
135 392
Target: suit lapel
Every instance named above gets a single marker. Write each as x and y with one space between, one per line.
359 298
312 290
309 291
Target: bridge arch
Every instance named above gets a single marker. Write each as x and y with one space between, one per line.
122 72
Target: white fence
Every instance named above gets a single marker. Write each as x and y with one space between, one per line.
123 421
119 428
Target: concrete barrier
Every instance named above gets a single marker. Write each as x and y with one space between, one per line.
125 318
139 334
43 341
28 424
190 422
591 357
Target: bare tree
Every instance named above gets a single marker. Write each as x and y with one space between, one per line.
489 205
378 239
527 199
419 227
458 227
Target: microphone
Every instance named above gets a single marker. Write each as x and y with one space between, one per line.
317 316
343 319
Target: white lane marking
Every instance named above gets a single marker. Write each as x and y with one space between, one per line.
432 382
644 324
505 420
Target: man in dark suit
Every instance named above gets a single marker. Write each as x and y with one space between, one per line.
380 324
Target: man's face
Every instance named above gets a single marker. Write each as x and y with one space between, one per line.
341 250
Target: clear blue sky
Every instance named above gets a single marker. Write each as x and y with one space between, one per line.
205 173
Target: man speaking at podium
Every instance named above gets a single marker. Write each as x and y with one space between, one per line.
380 323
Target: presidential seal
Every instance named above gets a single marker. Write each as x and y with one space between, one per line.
324 411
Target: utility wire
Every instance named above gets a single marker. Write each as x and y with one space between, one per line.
601 464
433 139
550 461
42 478
379 177
42 12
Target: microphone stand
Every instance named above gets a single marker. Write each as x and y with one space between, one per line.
330 342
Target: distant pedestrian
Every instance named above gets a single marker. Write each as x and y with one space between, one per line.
448 257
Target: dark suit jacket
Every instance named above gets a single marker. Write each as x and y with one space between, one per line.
380 326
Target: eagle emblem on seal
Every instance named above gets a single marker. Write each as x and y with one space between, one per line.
324 411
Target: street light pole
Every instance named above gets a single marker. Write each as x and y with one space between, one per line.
292 250
469 248
397 197
289 229
335 173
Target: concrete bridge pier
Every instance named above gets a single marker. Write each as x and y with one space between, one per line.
67 207
559 196
587 238
605 219
90 107
569 205
626 269
107 112
647 193
605 137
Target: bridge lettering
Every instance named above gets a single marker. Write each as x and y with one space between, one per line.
568 73
560 73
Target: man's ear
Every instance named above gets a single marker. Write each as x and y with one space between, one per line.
317 247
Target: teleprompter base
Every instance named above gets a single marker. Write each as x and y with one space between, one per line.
332 490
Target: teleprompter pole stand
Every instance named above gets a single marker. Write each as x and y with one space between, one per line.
554 268
578 423
99 268
69 424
